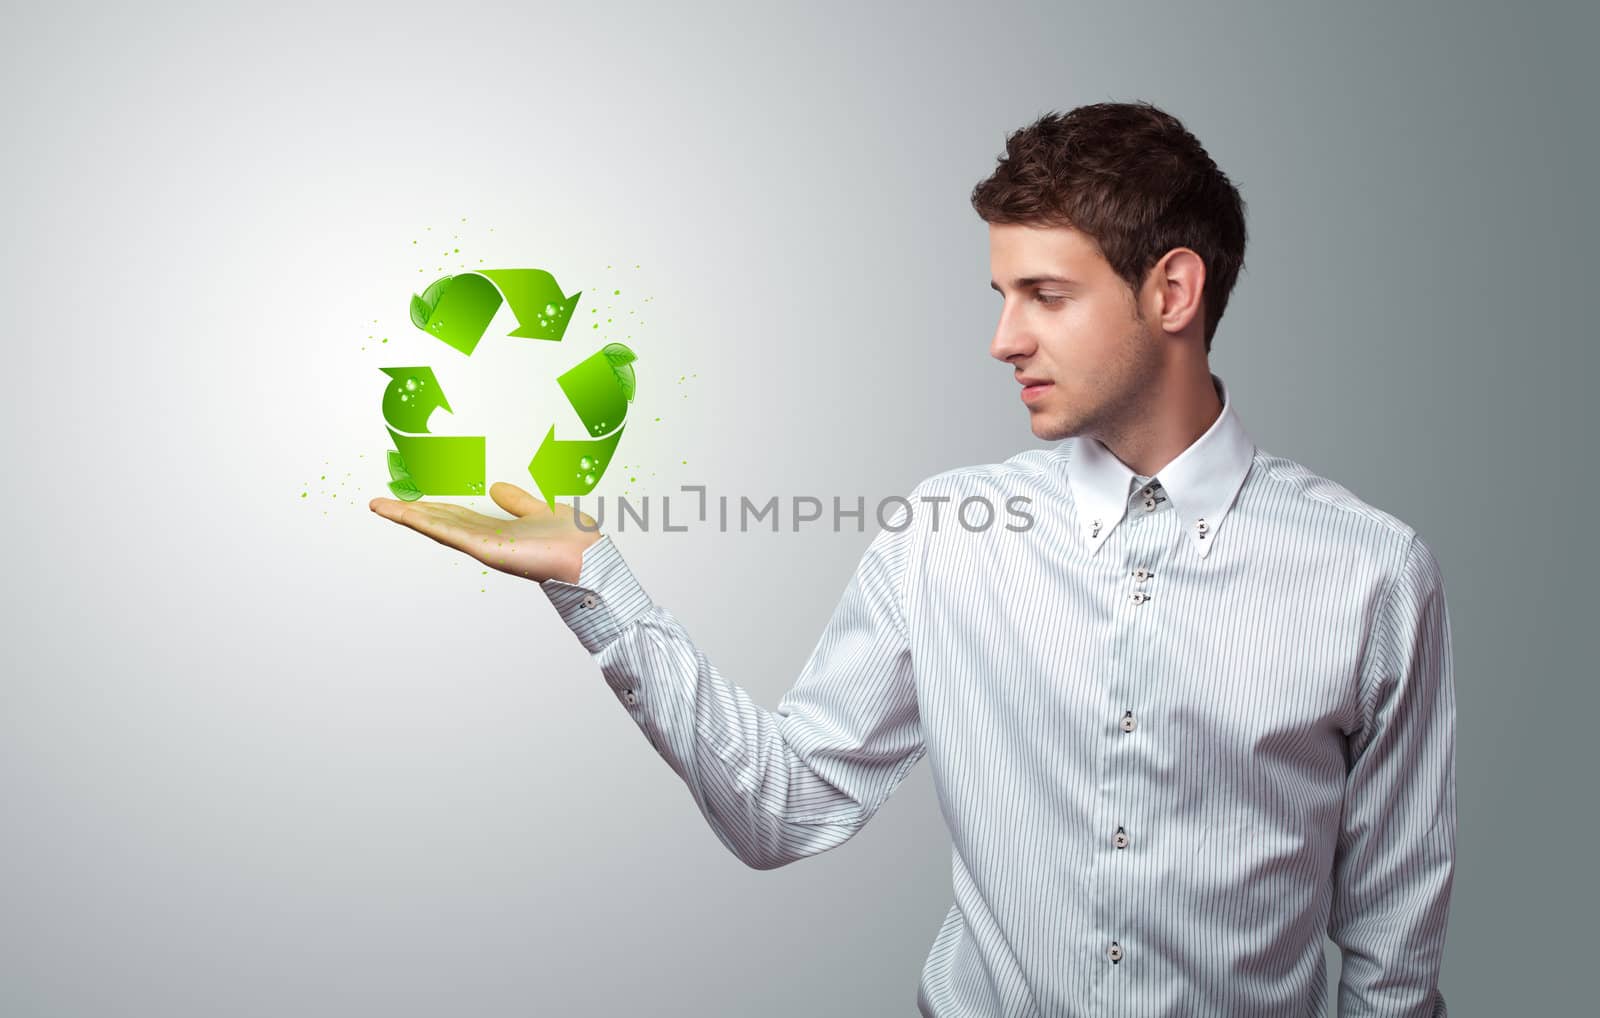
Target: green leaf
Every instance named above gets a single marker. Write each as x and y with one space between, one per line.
618 354
625 379
422 307
404 490
397 466
435 291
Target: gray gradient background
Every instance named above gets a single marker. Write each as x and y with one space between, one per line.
266 755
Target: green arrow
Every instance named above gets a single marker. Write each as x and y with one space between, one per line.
570 466
436 464
411 396
595 391
443 464
599 387
458 309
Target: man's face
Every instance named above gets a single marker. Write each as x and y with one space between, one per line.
1078 334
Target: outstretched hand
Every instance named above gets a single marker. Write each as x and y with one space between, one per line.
539 543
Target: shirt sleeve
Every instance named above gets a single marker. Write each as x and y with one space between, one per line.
1395 859
775 785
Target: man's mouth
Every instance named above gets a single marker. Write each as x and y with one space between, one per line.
1033 388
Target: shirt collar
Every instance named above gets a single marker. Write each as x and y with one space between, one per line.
1201 481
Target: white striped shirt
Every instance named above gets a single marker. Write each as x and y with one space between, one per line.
1179 728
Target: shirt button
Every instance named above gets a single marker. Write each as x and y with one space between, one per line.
629 696
1200 525
1142 574
1139 597
1114 952
1121 838
1148 491
589 601
1128 722
1149 504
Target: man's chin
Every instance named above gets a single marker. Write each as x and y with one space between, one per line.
1049 427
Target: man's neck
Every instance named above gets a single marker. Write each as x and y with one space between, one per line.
1179 408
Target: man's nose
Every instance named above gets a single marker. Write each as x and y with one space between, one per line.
1011 337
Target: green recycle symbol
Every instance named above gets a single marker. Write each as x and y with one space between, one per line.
457 310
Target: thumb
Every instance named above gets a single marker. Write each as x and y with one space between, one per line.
516 501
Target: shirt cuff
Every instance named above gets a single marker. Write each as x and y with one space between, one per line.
606 599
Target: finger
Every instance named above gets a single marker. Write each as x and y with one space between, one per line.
430 518
386 507
393 507
516 501
467 517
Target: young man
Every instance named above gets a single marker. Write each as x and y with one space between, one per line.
1197 715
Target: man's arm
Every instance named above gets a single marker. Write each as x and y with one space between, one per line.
776 786
1395 860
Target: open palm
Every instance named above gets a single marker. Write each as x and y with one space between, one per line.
539 543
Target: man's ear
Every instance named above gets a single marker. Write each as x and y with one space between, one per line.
1178 282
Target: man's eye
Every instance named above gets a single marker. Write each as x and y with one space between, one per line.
1048 300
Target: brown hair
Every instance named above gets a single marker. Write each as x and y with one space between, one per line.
1134 179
